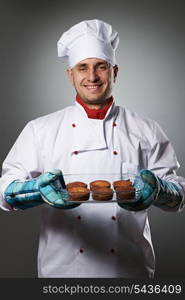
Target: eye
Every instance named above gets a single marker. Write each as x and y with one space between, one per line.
103 67
82 68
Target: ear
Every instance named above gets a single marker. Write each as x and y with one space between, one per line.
70 75
115 69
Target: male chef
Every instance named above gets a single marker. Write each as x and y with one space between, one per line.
92 136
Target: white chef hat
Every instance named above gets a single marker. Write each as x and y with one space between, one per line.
88 39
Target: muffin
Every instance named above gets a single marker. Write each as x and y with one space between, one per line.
126 192
102 194
78 193
76 184
122 183
99 184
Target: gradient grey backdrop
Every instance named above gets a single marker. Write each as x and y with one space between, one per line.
151 59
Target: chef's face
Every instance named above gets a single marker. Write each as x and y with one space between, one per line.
93 79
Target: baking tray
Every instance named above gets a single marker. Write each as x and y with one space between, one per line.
87 178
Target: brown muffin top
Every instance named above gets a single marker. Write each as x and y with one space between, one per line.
122 183
78 189
99 183
76 184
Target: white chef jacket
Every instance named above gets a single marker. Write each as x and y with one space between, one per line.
101 239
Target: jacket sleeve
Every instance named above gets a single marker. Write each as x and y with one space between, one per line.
22 162
163 162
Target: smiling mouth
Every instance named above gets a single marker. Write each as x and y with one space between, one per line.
92 86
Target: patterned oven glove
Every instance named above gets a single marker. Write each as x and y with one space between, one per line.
164 194
47 188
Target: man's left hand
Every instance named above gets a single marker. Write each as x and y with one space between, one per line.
146 196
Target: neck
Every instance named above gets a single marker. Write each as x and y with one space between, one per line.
96 111
95 106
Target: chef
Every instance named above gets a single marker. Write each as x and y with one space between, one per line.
93 136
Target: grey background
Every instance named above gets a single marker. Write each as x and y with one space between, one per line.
33 82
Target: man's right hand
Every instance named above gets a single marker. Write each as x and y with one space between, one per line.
53 190
47 188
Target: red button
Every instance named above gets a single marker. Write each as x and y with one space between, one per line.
81 250
114 124
114 218
75 152
115 152
79 217
74 125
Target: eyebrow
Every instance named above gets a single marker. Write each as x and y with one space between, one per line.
97 64
81 65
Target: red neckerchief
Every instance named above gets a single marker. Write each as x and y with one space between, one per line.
95 113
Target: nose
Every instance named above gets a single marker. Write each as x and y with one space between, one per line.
92 75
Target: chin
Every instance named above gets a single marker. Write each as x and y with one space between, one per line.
96 99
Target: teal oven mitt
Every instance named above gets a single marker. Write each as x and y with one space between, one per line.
47 188
155 191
